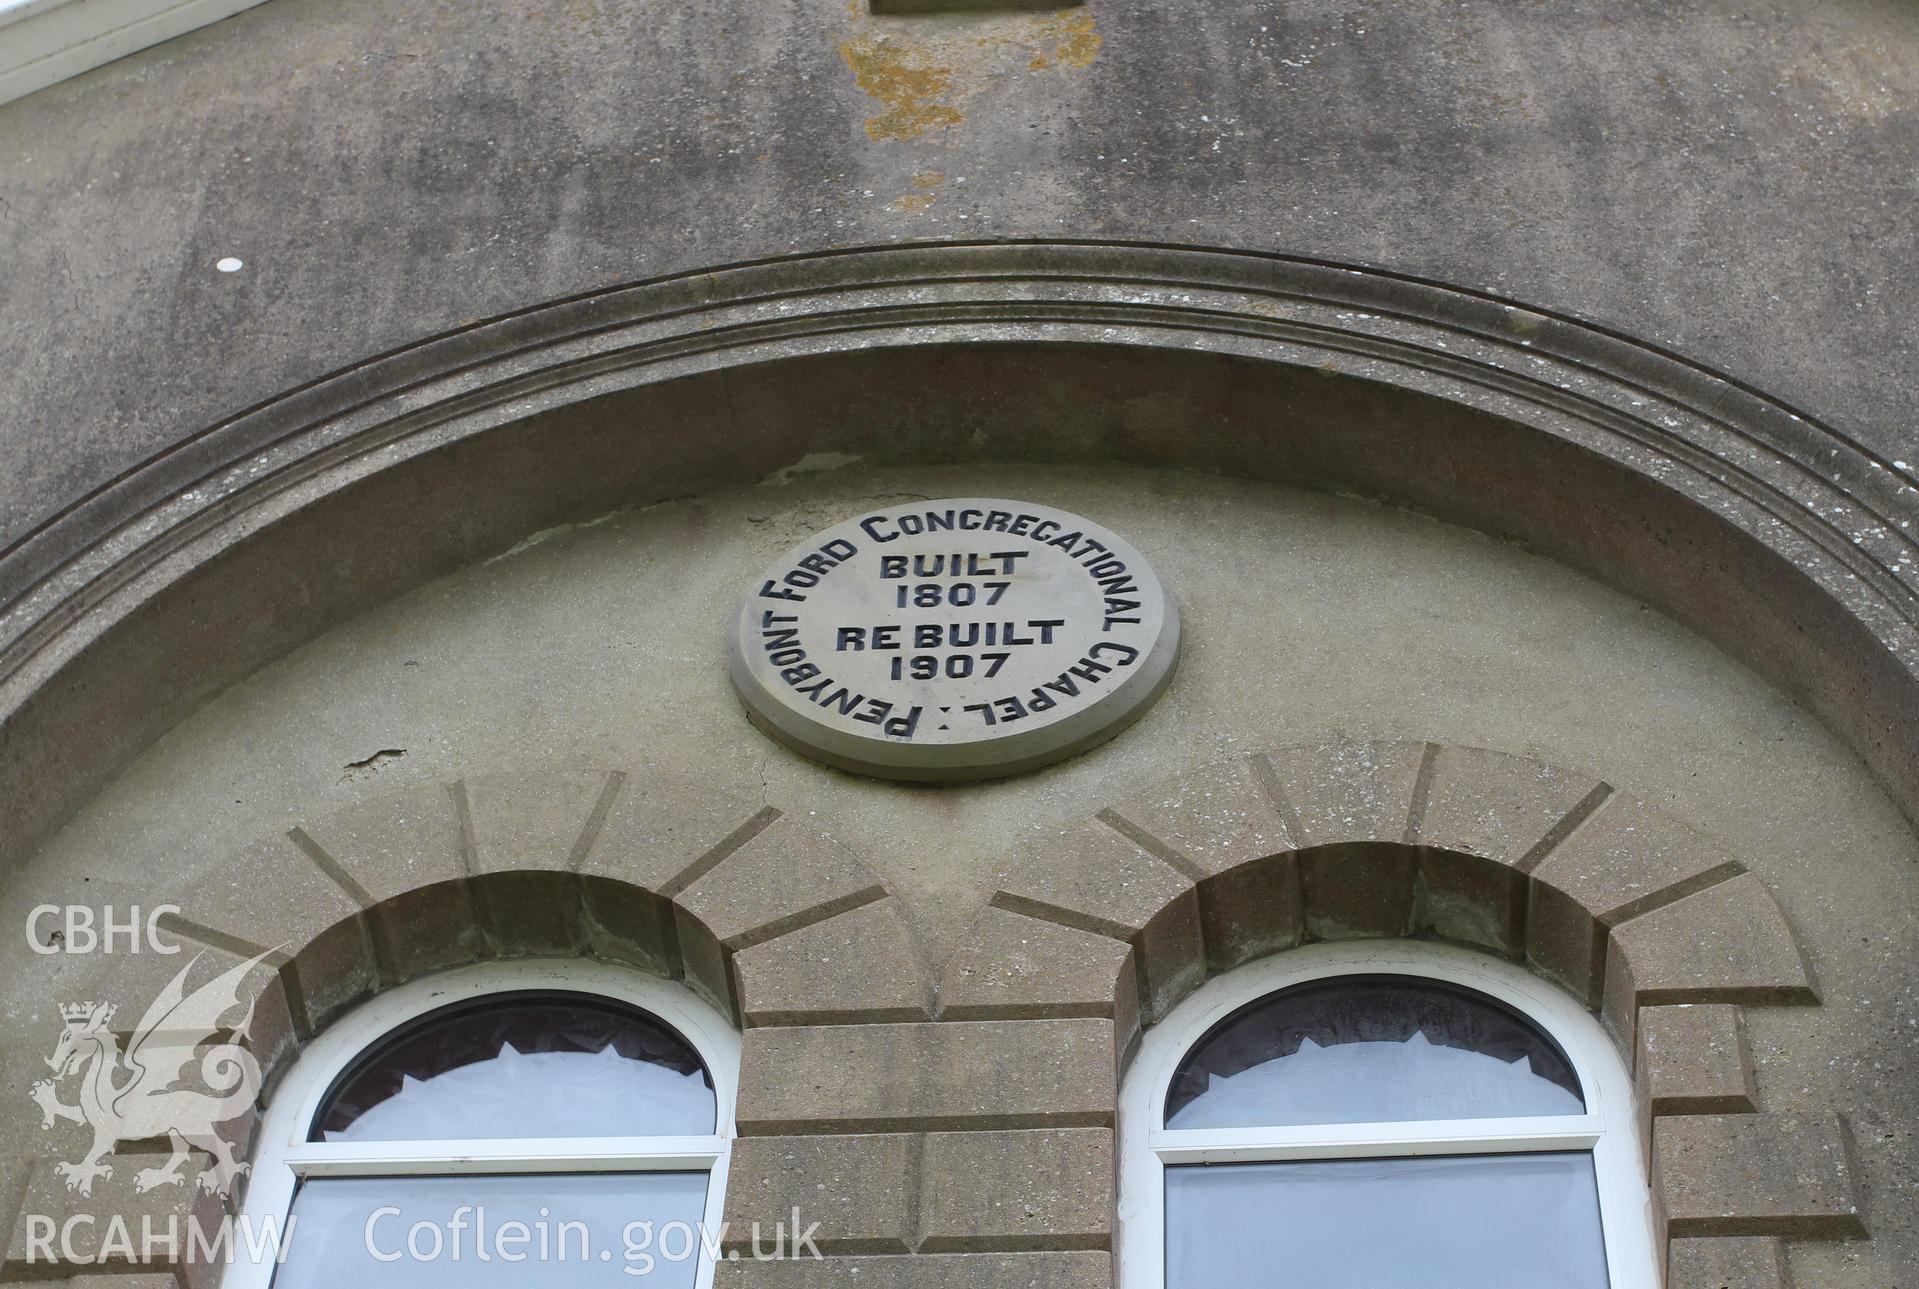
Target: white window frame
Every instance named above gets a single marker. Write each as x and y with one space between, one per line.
43 42
283 1155
1608 1128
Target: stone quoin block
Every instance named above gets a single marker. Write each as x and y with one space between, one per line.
1727 1262
1073 1269
1621 861
1033 1189
1013 967
941 1074
406 852
1097 879
862 1190
1729 944
859 966
1756 1174
1693 1060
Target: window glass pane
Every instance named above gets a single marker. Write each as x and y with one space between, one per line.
524 1065
1370 1049
423 1232
1464 1222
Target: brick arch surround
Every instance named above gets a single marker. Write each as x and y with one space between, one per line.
963 1136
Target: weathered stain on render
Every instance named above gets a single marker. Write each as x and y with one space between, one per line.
922 72
906 76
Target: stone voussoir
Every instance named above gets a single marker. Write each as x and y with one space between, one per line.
524 834
407 852
1726 944
751 895
274 895
1335 794
1219 825
625 923
1482 819
1353 804
661 831
1208 820
1501 807
1093 877
534 821
1622 860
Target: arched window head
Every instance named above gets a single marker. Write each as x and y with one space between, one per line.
560 1123
541 1064
1380 1116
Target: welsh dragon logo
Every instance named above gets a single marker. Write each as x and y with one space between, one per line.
138 1094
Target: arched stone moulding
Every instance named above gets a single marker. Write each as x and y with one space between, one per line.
761 912
967 1137
1650 923
1771 532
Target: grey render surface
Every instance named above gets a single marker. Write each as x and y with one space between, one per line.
1309 617
1734 182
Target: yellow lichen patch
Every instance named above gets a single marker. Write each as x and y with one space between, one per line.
903 75
1068 38
1077 40
913 203
928 179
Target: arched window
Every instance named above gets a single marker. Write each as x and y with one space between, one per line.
562 1123
1390 1115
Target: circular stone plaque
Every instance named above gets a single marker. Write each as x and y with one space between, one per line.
965 638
